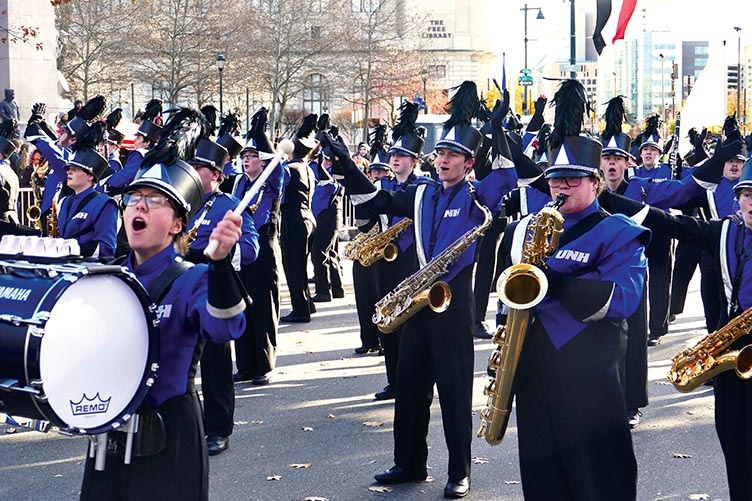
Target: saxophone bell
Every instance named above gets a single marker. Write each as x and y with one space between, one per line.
33 213
522 286
391 251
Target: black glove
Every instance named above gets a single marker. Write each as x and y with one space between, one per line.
536 121
555 282
748 142
724 152
37 113
500 110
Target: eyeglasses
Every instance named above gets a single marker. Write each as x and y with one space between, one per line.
153 201
249 156
572 182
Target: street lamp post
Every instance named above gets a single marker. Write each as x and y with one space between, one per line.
220 66
738 70
539 16
572 44
424 75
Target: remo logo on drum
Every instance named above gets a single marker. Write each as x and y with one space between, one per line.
87 406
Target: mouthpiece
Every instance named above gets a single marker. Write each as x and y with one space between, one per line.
559 201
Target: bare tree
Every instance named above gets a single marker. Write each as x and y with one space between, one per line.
382 51
91 41
294 39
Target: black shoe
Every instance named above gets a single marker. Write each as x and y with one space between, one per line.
217 445
672 318
633 417
366 349
386 394
262 380
292 318
241 376
481 331
321 298
458 489
338 295
654 341
398 475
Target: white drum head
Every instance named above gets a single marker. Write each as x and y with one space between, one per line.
94 351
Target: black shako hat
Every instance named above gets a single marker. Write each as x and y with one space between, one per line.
571 155
6 147
149 130
256 138
90 161
459 133
745 180
407 138
614 141
165 169
209 154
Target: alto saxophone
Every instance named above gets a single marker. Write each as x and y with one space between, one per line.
352 249
422 288
711 355
380 245
52 225
33 212
521 287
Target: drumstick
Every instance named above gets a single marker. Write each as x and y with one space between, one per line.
285 147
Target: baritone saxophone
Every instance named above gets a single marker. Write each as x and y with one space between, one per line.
694 366
520 287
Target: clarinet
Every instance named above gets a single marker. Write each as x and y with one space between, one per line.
677 161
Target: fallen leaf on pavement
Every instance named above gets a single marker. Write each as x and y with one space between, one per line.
300 466
373 423
307 428
331 416
315 498
678 455
699 496
479 460
511 482
380 488
274 477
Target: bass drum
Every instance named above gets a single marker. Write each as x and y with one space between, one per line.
78 344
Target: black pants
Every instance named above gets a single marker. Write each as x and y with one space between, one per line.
574 439
365 283
485 269
660 262
686 259
181 471
733 423
255 351
326 269
711 290
390 275
636 357
296 233
217 389
437 348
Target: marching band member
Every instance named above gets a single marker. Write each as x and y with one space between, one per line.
326 205
88 216
403 160
58 150
437 348
217 387
256 350
574 440
202 303
298 223
366 278
147 135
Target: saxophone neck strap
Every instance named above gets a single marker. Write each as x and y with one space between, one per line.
582 227
742 256
207 208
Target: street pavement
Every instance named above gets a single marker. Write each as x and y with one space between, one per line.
317 433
